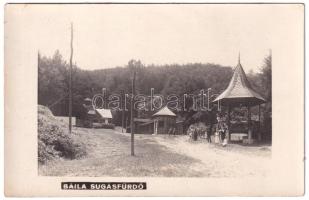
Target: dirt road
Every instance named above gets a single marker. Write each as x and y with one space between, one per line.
218 161
168 156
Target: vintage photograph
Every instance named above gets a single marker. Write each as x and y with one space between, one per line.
149 94
154 100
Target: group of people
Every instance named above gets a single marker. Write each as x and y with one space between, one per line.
219 127
172 131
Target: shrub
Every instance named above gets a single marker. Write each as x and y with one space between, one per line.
53 139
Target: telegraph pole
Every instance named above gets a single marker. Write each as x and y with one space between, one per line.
132 116
123 107
70 82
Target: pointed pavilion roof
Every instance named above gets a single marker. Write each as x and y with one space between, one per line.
239 90
164 112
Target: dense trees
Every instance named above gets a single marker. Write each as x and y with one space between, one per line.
165 79
262 83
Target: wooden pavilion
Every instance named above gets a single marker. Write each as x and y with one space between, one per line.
239 93
163 120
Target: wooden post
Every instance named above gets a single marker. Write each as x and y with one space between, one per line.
127 122
132 116
249 126
229 123
259 129
123 107
208 98
70 83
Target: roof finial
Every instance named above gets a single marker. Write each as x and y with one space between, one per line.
239 57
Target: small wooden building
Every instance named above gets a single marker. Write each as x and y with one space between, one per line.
105 115
92 116
163 121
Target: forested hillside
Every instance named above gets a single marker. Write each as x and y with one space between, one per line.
176 79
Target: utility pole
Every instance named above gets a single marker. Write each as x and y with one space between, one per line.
123 107
132 116
70 82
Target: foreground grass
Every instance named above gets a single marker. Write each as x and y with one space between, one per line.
109 155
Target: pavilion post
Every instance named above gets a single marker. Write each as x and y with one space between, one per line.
249 126
229 123
259 133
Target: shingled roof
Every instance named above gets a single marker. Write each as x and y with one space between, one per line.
164 112
239 90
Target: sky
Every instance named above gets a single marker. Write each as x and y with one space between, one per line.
110 35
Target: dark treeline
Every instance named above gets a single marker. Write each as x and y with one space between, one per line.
165 79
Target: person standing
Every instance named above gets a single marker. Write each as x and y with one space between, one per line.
211 122
195 133
221 128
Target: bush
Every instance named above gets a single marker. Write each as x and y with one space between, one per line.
53 139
